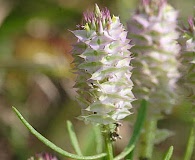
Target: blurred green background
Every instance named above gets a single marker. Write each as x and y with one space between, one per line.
36 78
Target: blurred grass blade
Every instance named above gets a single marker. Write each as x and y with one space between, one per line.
98 139
168 154
51 145
73 138
138 126
190 144
124 153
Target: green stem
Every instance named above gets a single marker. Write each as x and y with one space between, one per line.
137 127
98 139
108 144
147 139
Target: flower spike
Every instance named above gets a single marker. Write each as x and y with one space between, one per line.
153 31
102 61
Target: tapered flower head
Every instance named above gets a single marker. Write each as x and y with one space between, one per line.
102 62
153 31
187 42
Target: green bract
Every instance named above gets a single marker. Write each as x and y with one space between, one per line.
153 31
102 62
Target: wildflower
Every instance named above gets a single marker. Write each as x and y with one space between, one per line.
153 31
187 42
43 156
102 60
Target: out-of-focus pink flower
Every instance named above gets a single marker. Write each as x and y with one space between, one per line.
153 32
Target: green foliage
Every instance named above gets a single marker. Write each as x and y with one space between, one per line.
73 138
191 143
50 144
169 154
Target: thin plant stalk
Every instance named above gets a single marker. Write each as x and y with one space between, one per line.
108 145
98 138
148 139
138 127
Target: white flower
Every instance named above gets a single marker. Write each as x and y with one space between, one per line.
102 61
153 31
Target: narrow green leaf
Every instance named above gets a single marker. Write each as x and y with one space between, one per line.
138 126
168 154
73 138
50 144
124 153
190 144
